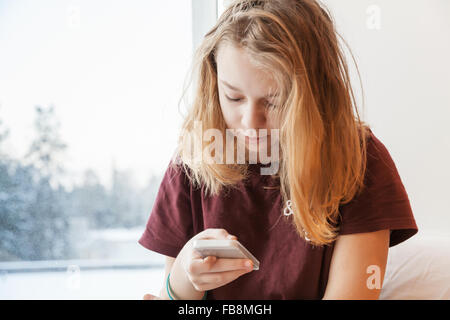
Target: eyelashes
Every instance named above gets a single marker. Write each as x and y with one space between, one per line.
232 100
270 105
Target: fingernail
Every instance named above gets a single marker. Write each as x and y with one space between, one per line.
231 236
248 264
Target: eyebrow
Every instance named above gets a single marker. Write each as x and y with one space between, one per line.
237 89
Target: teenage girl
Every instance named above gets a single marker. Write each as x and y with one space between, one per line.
322 224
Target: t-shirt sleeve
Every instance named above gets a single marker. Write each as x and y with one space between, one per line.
170 224
383 203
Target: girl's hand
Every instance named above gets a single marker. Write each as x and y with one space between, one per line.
149 296
211 272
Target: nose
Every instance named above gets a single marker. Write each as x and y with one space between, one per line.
253 116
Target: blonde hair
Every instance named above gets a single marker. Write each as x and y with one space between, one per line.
322 141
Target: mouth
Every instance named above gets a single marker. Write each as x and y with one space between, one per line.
255 139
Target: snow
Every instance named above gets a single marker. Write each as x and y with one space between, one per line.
117 234
120 269
127 284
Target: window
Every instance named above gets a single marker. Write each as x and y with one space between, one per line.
84 90
221 5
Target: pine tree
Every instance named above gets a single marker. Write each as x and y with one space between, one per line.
50 222
47 147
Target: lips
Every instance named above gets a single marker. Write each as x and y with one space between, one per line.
255 139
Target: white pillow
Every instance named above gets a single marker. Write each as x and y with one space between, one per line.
418 268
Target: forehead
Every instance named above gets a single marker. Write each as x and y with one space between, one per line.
235 66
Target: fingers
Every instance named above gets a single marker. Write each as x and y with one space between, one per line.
225 264
214 264
149 296
209 281
199 265
212 272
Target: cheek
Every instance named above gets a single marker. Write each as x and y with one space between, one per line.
230 114
272 123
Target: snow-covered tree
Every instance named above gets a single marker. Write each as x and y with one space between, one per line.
46 150
34 224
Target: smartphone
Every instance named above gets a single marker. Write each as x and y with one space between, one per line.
224 249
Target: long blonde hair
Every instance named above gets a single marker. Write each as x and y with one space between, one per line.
322 139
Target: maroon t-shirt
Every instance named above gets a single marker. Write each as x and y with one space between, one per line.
290 267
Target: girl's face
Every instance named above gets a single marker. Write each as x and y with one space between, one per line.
246 96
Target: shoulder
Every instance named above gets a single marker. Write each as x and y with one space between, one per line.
377 151
382 202
380 166
177 169
176 179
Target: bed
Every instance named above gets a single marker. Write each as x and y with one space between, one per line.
418 268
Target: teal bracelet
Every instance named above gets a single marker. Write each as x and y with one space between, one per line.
169 290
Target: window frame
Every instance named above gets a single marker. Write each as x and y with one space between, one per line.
204 16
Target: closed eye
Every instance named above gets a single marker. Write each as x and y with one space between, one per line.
270 105
234 100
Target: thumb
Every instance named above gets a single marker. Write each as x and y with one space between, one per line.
149 296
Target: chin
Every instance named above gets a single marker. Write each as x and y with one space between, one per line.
254 150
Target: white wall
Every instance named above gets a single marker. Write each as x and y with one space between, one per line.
405 70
